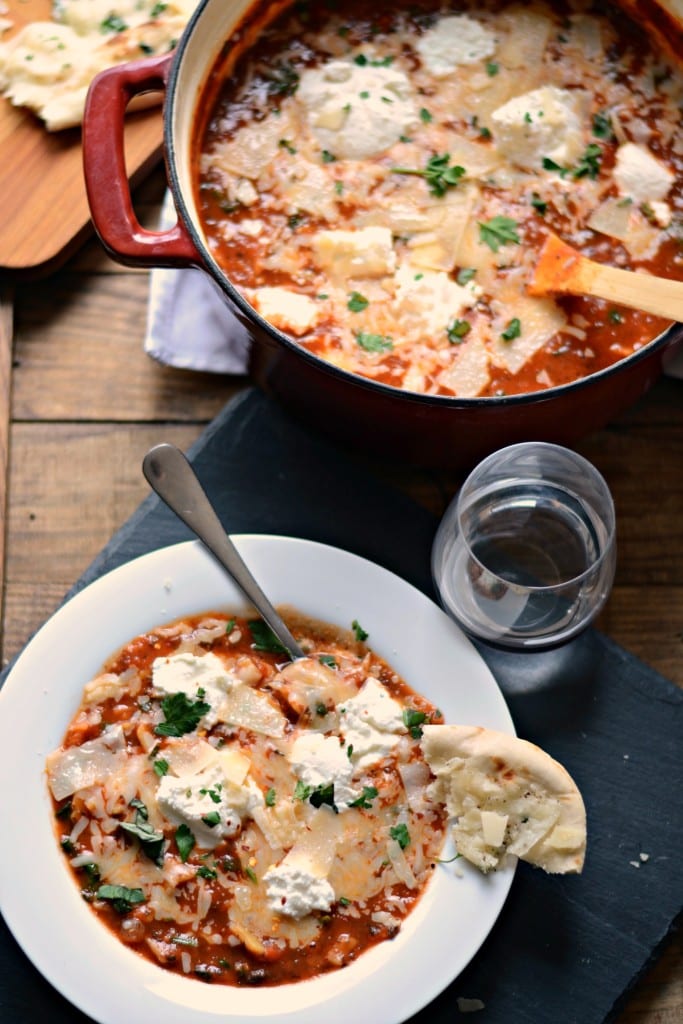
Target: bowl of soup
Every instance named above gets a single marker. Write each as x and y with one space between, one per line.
370 195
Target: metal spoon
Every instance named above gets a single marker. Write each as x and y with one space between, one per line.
170 474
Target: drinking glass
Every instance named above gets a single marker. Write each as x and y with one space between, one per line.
524 556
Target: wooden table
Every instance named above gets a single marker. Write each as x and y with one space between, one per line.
86 403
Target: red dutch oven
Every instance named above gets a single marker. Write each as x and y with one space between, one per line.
423 429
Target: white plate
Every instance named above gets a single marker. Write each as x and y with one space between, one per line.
38 898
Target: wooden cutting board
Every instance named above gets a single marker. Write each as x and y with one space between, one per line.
44 212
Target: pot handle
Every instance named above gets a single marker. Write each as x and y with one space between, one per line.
104 168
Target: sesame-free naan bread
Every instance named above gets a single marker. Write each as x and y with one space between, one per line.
48 66
506 796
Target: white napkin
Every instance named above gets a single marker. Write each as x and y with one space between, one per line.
190 327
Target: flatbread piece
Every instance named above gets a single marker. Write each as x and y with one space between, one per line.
506 796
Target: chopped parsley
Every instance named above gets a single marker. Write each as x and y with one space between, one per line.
113 23
359 632
365 799
357 302
602 126
381 62
211 819
498 231
321 710
539 205
425 116
181 715
374 342
513 330
327 659
270 797
615 316
316 795
438 173
229 626
206 872
413 721
185 841
492 69
327 157
213 794
251 875
283 80
264 639
121 897
465 275
286 144
158 9
457 331
401 834
589 163
161 767
552 165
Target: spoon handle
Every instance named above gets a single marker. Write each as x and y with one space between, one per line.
170 474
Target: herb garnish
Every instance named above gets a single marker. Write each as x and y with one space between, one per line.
539 205
381 62
185 841
316 795
211 819
457 331
374 342
413 721
264 639
161 767
182 715
327 659
365 799
438 173
359 632
492 69
205 872
270 797
151 841
425 116
113 23
602 126
498 231
513 330
121 897
401 834
283 80
589 163
465 275
357 302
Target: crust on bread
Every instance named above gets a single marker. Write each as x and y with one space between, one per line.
506 796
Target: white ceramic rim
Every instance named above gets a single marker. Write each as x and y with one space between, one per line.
41 904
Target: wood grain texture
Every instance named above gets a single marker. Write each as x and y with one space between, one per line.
6 344
45 207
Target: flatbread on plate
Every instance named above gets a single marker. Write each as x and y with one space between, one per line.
48 66
506 796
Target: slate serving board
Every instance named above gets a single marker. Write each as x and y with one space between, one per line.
564 950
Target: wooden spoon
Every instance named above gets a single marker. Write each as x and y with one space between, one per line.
563 270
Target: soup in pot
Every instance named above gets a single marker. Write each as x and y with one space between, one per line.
377 183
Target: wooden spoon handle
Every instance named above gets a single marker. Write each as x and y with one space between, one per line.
563 270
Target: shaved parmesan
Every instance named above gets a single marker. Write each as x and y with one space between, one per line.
79 767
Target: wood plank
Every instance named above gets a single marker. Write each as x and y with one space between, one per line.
72 487
79 355
6 347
